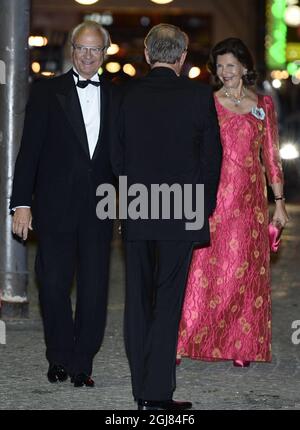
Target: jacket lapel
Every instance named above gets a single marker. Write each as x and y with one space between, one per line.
69 101
103 110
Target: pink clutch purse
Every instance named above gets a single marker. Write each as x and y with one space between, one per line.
274 237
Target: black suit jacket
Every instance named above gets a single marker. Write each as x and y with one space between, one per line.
54 173
166 131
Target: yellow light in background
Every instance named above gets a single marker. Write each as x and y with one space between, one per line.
113 49
37 41
161 1
194 72
48 74
292 51
100 71
36 67
87 2
276 74
285 74
113 67
129 69
280 74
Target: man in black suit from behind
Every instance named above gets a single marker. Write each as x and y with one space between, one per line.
64 156
166 132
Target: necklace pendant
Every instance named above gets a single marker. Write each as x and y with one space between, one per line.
236 101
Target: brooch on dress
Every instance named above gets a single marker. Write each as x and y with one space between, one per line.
259 113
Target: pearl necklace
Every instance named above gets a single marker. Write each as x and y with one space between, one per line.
235 100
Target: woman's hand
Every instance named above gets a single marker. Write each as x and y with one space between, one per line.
280 216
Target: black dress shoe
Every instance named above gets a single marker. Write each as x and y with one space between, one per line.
57 373
82 379
163 405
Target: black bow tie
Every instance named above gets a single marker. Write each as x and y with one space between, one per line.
84 84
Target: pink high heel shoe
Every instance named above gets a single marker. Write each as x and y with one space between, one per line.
241 363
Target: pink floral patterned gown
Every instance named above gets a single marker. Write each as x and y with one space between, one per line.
227 308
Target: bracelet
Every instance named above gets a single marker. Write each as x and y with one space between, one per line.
279 198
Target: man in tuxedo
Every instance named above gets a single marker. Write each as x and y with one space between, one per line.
64 156
166 132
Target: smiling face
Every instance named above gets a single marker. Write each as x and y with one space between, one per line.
86 62
229 70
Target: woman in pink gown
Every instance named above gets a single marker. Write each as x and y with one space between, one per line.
227 308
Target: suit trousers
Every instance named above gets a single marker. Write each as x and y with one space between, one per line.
156 274
73 341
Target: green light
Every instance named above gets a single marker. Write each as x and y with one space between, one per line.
276 34
277 53
292 68
278 8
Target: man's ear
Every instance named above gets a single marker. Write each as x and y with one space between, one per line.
182 58
147 55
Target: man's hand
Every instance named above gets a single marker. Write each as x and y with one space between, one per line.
22 220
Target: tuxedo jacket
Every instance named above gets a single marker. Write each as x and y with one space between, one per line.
166 131
54 173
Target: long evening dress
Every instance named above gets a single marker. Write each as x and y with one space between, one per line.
227 309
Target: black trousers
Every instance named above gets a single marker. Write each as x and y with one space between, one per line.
156 274
73 341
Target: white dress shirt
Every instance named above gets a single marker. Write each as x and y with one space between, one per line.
90 102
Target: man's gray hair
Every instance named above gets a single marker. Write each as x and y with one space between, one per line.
91 25
165 43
